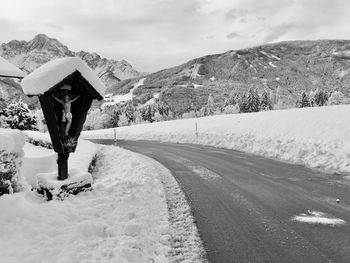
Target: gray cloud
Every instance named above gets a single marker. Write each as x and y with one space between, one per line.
153 34
278 32
235 14
234 35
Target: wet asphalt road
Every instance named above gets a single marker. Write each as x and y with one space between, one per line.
243 205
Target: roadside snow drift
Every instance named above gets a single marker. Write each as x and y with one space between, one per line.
316 137
124 218
11 141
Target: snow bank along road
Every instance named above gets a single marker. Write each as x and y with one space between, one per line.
253 209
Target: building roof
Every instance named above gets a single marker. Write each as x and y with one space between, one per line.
56 71
9 70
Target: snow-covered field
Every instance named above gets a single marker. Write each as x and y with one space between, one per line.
125 97
125 217
318 137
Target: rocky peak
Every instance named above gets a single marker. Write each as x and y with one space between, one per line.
42 42
41 49
92 59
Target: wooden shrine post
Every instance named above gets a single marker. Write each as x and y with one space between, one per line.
65 103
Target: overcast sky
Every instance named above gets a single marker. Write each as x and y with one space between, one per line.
156 34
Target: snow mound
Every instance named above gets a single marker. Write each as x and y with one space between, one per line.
124 218
39 164
37 160
316 217
318 137
53 72
11 141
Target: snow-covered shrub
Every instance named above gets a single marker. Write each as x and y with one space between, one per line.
11 143
38 142
41 123
3 124
189 115
123 120
231 109
18 116
95 120
113 112
158 116
337 98
138 117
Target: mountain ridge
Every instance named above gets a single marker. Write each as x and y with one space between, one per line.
29 55
285 69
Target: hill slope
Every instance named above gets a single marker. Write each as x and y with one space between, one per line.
287 68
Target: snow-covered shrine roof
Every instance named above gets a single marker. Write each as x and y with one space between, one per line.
55 72
9 70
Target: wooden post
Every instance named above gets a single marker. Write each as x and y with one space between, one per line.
196 130
62 162
115 136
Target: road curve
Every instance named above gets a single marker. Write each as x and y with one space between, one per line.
244 205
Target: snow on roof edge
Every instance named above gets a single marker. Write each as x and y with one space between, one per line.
7 69
53 72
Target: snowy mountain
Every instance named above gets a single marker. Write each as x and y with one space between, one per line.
287 67
30 55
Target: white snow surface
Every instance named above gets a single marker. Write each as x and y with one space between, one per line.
45 137
123 98
317 137
39 164
196 86
9 70
53 72
272 65
37 160
316 217
270 55
11 140
124 218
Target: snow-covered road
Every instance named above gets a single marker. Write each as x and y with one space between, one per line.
252 209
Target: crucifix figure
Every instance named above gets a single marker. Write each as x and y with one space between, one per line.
67 105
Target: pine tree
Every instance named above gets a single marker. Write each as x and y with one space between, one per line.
312 96
278 95
114 118
304 101
18 116
265 102
163 108
123 120
114 112
252 102
210 105
321 97
129 112
232 99
148 113
242 103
